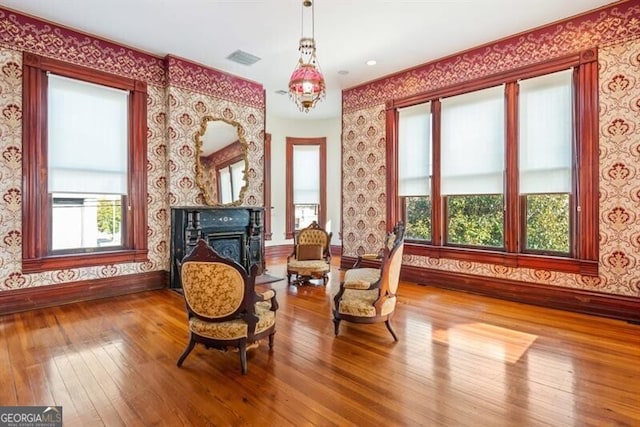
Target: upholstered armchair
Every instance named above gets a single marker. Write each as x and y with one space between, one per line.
223 309
311 257
368 295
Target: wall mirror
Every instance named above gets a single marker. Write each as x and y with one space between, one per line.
221 163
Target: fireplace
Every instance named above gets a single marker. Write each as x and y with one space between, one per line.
234 232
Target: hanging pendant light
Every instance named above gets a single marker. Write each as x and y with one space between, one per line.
306 85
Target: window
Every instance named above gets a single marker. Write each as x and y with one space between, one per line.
510 168
84 139
306 182
231 180
87 163
472 146
414 169
545 158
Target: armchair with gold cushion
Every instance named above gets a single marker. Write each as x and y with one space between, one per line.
311 257
368 295
224 311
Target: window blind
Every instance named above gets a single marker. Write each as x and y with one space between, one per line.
414 150
545 134
473 143
306 174
237 178
226 193
87 137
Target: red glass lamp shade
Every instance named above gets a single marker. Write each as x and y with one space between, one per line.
306 86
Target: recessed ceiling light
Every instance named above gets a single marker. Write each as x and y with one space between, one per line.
282 92
372 62
343 72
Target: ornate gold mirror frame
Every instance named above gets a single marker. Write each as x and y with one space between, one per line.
221 161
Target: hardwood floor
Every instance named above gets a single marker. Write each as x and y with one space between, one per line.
462 360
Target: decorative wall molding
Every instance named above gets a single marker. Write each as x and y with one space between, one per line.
85 290
194 77
596 28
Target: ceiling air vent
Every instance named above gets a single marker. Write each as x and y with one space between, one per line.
243 58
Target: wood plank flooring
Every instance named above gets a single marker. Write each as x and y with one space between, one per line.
462 360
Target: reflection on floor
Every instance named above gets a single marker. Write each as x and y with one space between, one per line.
486 340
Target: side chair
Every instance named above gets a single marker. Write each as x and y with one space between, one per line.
368 295
223 309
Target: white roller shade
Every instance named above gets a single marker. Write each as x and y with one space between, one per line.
87 137
545 111
473 142
306 174
414 150
237 177
226 193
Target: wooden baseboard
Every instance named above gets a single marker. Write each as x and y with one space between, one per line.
596 303
578 300
53 295
278 251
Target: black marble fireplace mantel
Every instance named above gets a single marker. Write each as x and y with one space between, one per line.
234 232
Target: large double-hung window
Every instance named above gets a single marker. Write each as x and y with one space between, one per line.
504 172
545 157
84 142
472 171
87 163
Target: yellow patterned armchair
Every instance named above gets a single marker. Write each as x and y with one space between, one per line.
311 257
368 295
223 309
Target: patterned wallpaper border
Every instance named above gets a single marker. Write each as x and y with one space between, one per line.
29 34
25 33
597 28
208 81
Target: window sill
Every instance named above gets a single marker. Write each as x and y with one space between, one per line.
62 262
537 262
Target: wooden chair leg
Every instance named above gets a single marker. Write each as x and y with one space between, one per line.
336 326
187 350
388 323
271 341
243 357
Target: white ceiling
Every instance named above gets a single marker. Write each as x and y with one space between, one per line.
398 34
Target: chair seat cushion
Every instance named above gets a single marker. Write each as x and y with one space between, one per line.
359 303
234 329
361 278
307 267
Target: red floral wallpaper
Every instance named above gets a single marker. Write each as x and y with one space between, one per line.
179 94
616 33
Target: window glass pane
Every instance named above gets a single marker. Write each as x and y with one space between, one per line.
306 174
545 133
83 221
475 220
547 227
305 214
414 150
418 218
87 137
473 142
